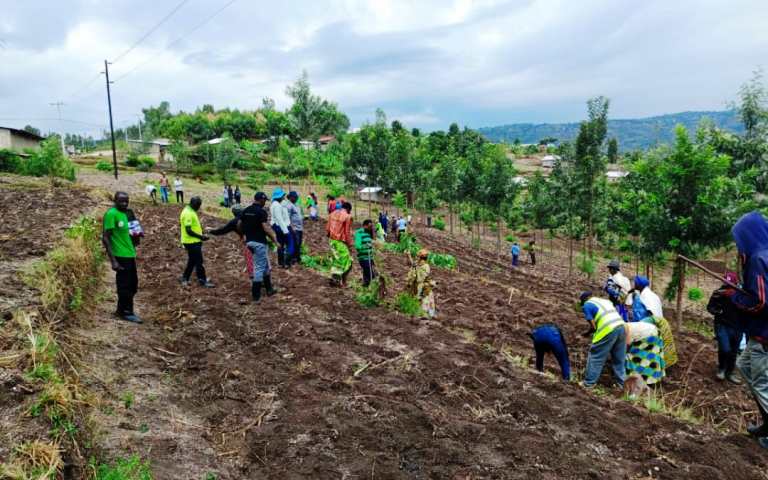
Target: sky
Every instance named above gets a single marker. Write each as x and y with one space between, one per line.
426 63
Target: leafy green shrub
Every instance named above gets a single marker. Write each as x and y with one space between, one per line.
132 159
442 260
49 161
103 166
439 224
369 296
695 294
626 245
510 238
131 468
257 180
408 305
10 161
146 163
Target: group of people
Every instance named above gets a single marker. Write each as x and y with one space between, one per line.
515 251
165 189
231 197
639 344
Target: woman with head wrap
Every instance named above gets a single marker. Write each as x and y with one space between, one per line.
420 284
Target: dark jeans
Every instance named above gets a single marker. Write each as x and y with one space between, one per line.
180 196
533 258
613 344
195 261
548 339
298 239
284 247
369 270
514 260
728 340
127 281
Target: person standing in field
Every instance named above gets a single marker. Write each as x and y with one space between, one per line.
420 284
331 203
178 186
230 196
254 225
728 333
402 227
364 247
339 230
311 204
238 195
515 251
751 236
532 252
121 249
164 188
281 224
608 339
617 286
384 222
192 239
297 226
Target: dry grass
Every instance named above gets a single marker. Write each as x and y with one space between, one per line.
33 461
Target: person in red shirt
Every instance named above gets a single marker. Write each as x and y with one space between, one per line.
331 204
339 229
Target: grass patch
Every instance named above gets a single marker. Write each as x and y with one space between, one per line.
130 468
33 461
372 295
408 244
703 329
127 399
408 304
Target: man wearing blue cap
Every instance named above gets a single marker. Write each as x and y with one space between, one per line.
281 224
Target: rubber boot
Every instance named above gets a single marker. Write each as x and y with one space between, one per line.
256 291
759 430
268 284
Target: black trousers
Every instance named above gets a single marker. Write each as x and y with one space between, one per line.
195 261
179 196
369 271
127 281
298 238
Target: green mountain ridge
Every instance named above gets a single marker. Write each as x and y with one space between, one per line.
632 134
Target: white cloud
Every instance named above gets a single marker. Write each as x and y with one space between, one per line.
427 62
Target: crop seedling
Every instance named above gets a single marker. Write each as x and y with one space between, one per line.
127 399
408 305
131 468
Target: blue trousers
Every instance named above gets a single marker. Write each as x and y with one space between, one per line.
164 194
613 344
728 340
547 338
260 260
515 259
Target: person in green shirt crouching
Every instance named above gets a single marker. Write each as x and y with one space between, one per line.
192 239
119 241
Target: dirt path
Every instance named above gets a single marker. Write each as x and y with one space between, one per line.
270 391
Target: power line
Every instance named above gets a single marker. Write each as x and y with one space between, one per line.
194 29
151 31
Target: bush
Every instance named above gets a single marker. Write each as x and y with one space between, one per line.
203 171
695 294
49 161
146 163
131 468
132 159
370 296
439 224
408 305
103 166
510 238
10 161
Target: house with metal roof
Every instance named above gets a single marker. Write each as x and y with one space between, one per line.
15 139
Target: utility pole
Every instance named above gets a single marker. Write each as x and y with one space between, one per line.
58 106
140 138
111 126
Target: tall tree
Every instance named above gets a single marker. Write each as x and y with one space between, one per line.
613 150
310 115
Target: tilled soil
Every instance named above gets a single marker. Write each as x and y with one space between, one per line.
271 389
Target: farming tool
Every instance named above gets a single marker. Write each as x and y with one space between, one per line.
712 274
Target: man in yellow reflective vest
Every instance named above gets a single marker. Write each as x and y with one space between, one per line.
609 338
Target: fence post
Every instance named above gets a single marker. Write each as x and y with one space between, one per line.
680 290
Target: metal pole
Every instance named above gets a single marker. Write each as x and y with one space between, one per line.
140 137
111 126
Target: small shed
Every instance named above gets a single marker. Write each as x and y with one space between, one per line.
548 161
15 139
615 175
373 194
157 148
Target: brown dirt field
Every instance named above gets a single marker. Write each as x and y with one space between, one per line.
33 214
268 391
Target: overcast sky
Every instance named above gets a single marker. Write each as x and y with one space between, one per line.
427 63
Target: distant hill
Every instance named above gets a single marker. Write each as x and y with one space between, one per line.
638 133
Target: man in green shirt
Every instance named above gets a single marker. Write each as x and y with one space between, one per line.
364 247
119 244
192 238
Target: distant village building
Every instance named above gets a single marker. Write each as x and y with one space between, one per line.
15 139
322 142
615 175
549 161
373 194
520 180
157 148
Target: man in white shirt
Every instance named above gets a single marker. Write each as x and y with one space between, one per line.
178 187
281 223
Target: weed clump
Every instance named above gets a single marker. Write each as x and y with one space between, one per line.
408 305
131 468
